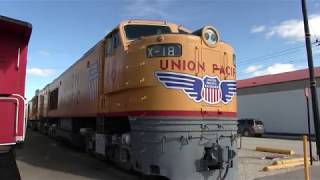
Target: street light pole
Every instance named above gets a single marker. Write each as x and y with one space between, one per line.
313 87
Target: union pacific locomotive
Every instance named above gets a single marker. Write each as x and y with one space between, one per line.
151 96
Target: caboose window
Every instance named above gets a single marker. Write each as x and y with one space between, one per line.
136 31
109 46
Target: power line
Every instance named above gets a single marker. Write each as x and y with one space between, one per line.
280 51
267 58
274 54
296 60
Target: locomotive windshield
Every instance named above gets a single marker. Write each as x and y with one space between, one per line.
136 31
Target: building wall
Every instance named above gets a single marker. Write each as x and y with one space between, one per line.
282 107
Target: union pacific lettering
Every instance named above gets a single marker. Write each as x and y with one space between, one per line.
197 66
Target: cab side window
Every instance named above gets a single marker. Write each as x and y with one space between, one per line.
250 122
112 42
116 40
109 46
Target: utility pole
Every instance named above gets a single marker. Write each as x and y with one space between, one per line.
313 86
306 94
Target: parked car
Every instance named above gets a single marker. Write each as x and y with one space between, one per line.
250 127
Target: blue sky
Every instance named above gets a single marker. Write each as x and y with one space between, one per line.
267 35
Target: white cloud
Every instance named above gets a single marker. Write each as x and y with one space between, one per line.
40 72
253 68
293 30
44 52
316 50
275 69
259 70
147 8
257 29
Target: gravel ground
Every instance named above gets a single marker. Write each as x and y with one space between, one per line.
44 159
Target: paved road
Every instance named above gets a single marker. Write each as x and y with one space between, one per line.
45 159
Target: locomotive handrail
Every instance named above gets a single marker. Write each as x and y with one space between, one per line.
24 113
18 95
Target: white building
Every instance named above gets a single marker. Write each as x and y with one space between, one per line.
278 100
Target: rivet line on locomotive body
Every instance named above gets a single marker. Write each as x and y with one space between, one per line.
152 97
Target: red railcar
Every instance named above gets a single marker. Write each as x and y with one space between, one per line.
14 38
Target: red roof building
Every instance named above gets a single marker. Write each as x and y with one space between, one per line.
276 78
277 100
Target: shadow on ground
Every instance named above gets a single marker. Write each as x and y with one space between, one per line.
8 167
48 154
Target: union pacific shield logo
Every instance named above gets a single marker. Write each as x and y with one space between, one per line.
211 92
209 89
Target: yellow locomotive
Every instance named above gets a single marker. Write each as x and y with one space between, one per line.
151 96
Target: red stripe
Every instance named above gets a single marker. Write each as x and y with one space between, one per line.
212 95
212 92
213 98
174 113
208 97
216 94
207 94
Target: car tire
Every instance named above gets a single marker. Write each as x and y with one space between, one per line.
246 133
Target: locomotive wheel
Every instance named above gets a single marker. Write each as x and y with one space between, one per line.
126 164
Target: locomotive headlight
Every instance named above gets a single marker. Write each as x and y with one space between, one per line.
164 50
210 35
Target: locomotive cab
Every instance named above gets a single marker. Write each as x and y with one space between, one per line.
146 49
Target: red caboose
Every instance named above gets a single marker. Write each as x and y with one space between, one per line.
14 38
